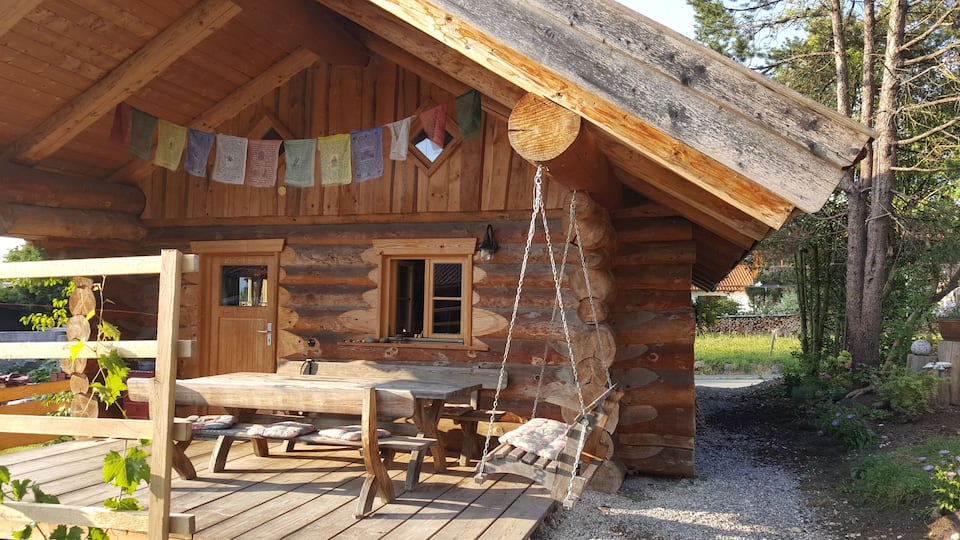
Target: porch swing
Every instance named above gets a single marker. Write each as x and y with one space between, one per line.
558 456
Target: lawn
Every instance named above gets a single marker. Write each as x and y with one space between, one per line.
745 353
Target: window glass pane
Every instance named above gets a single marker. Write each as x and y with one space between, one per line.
447 280
408 318
244 286
446 316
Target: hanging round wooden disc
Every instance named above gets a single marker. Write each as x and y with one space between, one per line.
82 301
84 406
79 383
78 328
83 282
70 365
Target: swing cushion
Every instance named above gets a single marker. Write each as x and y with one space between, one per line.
281 430
541 436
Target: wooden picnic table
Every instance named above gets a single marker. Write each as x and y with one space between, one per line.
243 393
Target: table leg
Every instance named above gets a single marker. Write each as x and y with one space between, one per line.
181 463
427 419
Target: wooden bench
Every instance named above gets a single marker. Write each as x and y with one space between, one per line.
389 446
467 415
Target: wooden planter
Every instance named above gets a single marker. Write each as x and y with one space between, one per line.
949 329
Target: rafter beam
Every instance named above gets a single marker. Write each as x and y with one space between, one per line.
133 74
11 11
631 100
231 105
309 24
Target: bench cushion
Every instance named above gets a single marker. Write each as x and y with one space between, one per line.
212 421
541 436
348 433
281 430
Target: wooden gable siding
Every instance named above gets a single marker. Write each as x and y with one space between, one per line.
483 174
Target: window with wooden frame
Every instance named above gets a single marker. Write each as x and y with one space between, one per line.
426 290
428 156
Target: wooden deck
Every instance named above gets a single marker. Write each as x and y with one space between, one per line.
308 493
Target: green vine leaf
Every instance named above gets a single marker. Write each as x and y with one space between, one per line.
41 497
4 475
24 533
18 489
126 472
122 503
75 349
62 533
108 331
96 533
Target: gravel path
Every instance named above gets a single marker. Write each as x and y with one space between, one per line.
732 497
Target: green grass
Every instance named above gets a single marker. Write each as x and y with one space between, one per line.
898 478
744 352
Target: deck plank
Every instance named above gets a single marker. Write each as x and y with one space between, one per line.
308 493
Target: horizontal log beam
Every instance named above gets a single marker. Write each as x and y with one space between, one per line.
26 185
14 515
547 134
26 221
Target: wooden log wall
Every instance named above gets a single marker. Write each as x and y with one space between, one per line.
655 326
639 261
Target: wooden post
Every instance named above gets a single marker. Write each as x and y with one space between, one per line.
949 351
161 404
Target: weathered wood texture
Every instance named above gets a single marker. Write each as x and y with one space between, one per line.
483 174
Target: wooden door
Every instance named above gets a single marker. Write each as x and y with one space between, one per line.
240 306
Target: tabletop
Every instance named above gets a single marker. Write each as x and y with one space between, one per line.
249 390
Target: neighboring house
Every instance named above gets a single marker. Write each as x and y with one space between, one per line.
689 160
733 286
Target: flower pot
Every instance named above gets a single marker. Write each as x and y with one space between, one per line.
949 329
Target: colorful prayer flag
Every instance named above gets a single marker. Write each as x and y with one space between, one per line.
199 144
469 115
171 138
435 124
335 168
262 157
366 154
231 162
120 131
142 127
301 156
399 139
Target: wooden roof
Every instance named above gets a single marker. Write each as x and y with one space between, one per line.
731 151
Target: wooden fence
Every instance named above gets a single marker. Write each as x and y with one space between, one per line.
157 522
21 400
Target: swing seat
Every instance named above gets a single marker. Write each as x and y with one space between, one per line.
545 451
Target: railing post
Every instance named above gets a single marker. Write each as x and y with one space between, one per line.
161 408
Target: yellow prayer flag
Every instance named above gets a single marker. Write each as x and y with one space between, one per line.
171 138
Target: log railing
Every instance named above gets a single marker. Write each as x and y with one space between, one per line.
157 522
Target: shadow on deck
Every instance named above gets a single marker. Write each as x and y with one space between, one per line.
308 493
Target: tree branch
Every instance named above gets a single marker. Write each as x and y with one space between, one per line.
931 56
929 30
938 129
933 103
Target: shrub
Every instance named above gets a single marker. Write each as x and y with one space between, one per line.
908 393
846 426
708 308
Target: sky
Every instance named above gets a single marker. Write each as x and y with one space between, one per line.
675 14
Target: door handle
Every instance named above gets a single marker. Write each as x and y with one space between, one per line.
269 333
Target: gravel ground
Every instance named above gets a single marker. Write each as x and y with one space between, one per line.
732 497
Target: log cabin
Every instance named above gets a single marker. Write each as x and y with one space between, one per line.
681 161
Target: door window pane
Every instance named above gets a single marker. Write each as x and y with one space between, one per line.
244 286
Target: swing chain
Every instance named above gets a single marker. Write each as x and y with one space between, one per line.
531 230
586 281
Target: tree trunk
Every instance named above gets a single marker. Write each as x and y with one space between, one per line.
880 220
